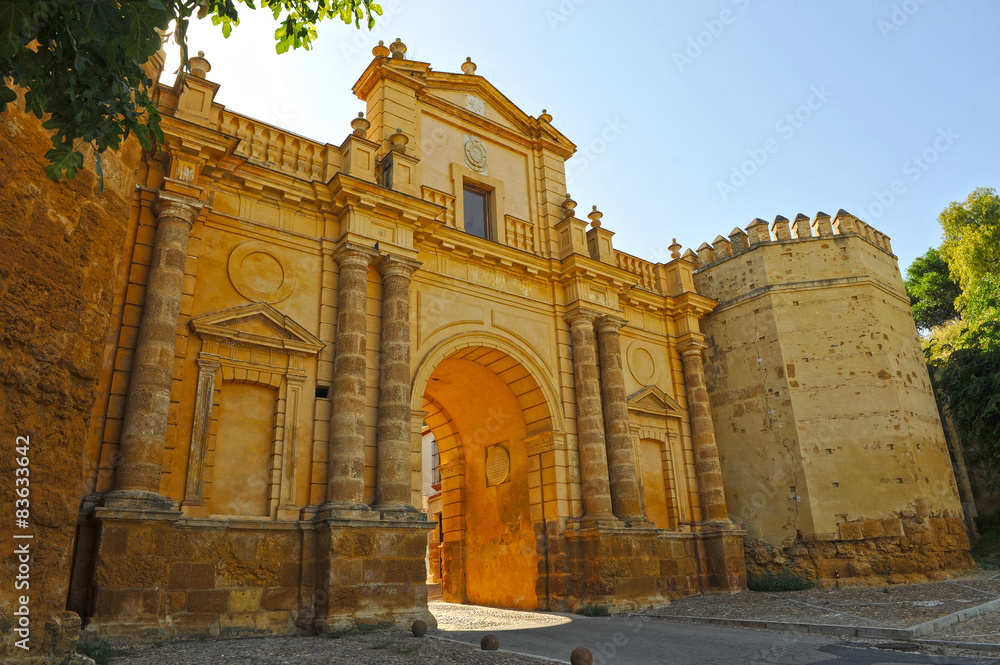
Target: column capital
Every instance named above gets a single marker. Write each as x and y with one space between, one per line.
209 363
352 253
170 204
393 265
691 344
610 323
581 315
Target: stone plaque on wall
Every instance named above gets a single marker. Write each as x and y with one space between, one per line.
497 465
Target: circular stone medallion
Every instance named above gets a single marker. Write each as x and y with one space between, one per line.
641 364
475 154
259 274
497 465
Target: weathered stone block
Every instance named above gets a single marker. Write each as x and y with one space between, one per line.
185 575
279 599
208 602
245 600
850 531
893 527
872 529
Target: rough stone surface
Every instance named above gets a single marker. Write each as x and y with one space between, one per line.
61 251
833 456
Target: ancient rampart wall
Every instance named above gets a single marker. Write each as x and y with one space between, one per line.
822 405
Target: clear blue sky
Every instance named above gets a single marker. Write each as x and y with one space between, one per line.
690 118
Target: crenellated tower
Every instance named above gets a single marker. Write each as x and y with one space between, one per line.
826 423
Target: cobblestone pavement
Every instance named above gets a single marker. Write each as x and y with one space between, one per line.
901 606
389 647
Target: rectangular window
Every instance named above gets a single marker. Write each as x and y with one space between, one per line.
435 464
476 206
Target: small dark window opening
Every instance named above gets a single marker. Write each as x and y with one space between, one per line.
477 212
387 173
322 392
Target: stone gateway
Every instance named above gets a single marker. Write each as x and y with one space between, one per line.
290 315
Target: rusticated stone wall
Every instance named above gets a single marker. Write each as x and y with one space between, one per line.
896 550
60 251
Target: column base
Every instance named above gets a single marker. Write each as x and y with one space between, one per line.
140 500
723 560
605 520
343 510
400 512
614 567
370 573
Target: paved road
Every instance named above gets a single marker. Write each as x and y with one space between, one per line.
644 641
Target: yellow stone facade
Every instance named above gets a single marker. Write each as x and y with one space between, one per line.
290 314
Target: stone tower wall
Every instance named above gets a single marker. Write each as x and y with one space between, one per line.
60 253
826 423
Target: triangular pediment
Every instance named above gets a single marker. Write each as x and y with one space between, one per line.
258 324
654 400
447 92
453 89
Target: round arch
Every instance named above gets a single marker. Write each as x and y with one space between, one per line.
454 345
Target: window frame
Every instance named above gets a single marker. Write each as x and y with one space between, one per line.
489 230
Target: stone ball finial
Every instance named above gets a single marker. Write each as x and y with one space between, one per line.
489 643
419 628
360 125
399 140
468 67
199 65
595 218
545 116
380 51
398 48
581 656
568 206
675 249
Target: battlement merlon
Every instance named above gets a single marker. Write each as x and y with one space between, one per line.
781 230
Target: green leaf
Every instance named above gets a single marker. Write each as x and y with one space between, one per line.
63 161
14 18
6 97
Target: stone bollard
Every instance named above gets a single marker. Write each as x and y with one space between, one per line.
490 643
581 656
419 628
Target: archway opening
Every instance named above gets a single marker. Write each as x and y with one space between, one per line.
481 405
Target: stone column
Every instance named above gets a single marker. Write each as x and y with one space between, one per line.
144 429
625 499
393 474
346 468
590 420
706 453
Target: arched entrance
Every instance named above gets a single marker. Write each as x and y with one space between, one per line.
483 404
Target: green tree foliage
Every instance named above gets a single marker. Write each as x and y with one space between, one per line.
972 237
970 380
967 350
932 291
80 61
982 300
